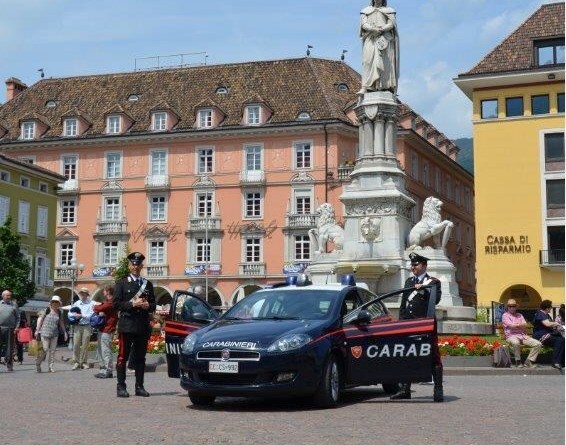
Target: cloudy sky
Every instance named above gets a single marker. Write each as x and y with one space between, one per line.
439 39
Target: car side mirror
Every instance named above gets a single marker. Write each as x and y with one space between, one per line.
201 316
363 317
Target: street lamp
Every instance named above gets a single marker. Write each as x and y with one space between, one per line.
73 271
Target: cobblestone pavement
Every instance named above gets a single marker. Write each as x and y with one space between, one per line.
72 407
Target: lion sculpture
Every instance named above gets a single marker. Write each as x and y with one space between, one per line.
326 230
431 226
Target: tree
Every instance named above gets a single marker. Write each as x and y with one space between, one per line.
123 267
14 267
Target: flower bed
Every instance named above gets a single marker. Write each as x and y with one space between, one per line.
466 346
155 345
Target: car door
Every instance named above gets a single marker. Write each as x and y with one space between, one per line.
384 350
188 313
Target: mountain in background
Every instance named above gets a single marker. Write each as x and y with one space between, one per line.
466 155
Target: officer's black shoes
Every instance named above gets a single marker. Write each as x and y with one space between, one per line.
121 392
438 394
140 391
404 392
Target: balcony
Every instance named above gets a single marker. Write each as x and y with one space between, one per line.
252 269
154 270
202 223
552 259
300 220
344 172
70 186
157 182
111 227
251 177
63 274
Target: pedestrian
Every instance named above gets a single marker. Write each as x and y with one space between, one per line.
134 298
546 331
9 325
82 330
47 331
107 331
514 327
24 328
414 304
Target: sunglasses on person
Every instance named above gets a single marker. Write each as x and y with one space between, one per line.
511 305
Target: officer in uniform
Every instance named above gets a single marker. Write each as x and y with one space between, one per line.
414 304
135 300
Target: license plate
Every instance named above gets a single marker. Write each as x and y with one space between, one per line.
227 367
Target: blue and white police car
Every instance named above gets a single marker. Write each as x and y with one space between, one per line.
296 340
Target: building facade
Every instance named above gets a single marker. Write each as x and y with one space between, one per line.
517 91
214 172
28 195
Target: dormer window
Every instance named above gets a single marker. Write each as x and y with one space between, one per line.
253 114
28 130
304 116
113 124
205 118
342 87
159 121
549 52
51 104
70 127
221 90
133 97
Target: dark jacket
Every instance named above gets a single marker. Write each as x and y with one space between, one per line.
418 305
133 320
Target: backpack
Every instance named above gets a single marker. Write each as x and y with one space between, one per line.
501 357
71 315
97 320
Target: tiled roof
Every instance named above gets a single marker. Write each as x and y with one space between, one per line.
288 87
515 53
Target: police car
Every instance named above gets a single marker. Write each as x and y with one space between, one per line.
296 340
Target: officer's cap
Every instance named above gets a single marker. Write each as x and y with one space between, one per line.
416 258
136 258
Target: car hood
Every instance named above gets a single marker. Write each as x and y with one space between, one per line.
254 334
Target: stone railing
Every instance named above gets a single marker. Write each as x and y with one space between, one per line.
157 271
111 226
301 220
204 223
252 269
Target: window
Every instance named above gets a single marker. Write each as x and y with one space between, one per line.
303 154
560 102
27 159
304 116
159 121
549 52
221 90
414 166
4 176
425 175
42 270
156 252
554 151
24 181
4 208
66 254
159 163
113 165
489 109
204 204
540 104
253 115
71 127
68 211
205 157
302 205
555 194
253 157
110 253
203 250
555 243
457 196
111 209
113 124
253 250
23 217
43 187
513 106
437 182
467 199
157 208
205 118
253 204
302 247
42 213
28 130
70 167
449 187
133 97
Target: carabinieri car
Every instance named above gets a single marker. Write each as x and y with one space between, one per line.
293 341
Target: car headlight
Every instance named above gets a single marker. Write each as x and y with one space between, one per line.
289 342
189 343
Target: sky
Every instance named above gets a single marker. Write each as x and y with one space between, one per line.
439 39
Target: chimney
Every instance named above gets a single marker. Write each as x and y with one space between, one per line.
14 86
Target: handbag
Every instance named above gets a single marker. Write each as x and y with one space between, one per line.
35 347
25 335
501 357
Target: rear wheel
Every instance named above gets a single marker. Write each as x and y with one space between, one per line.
327 394
200 400
390 388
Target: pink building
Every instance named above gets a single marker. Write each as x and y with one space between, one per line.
214 172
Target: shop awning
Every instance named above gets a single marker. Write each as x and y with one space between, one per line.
34 305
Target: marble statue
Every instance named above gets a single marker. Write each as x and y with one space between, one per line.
326 230
431 226
380 48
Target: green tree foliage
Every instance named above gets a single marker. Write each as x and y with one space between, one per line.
123 267
14 267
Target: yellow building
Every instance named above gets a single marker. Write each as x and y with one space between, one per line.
517 92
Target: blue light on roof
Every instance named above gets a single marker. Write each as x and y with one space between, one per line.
348 280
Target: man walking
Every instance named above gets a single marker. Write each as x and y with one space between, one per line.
414 304
9 323
134 298
82 330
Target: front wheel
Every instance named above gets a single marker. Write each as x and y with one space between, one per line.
200 400
327 394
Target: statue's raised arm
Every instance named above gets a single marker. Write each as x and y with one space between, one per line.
380 48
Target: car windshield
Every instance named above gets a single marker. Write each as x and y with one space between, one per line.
280 304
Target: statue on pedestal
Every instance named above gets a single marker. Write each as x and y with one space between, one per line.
326 230
431 226
380 48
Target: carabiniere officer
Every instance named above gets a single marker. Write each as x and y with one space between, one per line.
134 298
